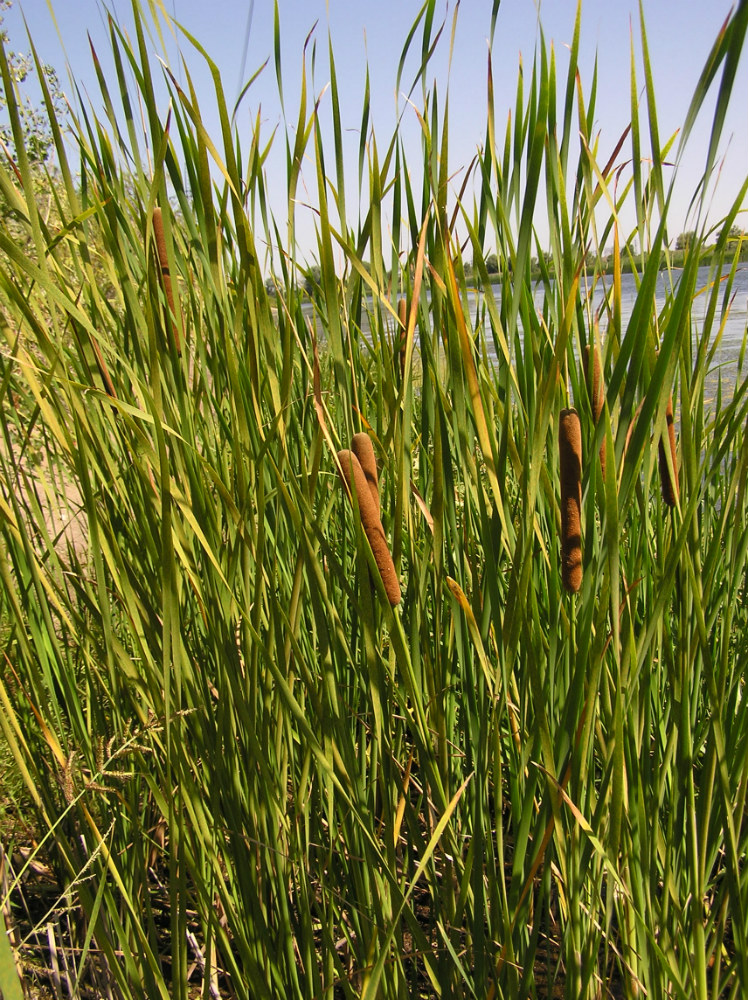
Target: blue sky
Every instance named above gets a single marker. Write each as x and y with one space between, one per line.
680 34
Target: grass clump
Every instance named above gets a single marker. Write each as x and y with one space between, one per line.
244 775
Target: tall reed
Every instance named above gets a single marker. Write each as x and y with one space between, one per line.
596 388
165 272
570 464
242 775
668 482
402 329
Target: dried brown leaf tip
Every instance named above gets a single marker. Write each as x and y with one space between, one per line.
357 485
363 449
163 263
670 486
596 389
570 460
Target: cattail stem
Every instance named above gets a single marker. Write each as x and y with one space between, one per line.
103 371
163 261
570 461
363 449
357 485
670 486
402 339
597 392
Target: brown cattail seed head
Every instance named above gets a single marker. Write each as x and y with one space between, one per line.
163 262
597 392
356 483
158 232
670 487
570 458
363 449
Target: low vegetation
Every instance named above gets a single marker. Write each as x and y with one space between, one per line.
236 760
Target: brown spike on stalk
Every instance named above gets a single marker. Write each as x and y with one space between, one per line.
363 449
163 261
570 460
355 482
402 314
597 392
103 371
670 487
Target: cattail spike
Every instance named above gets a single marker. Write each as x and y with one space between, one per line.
158 232
670 487
163 262
363 449
570 460
356 483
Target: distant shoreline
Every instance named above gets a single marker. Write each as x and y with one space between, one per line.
675 259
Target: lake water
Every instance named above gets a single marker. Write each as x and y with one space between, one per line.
734 326
725 361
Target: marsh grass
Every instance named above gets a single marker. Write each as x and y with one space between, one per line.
245 772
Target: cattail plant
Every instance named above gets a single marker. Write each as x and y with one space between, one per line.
106 378
163 262
357 485
363 449
402 339
393 791
597 392
670 487
570 460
